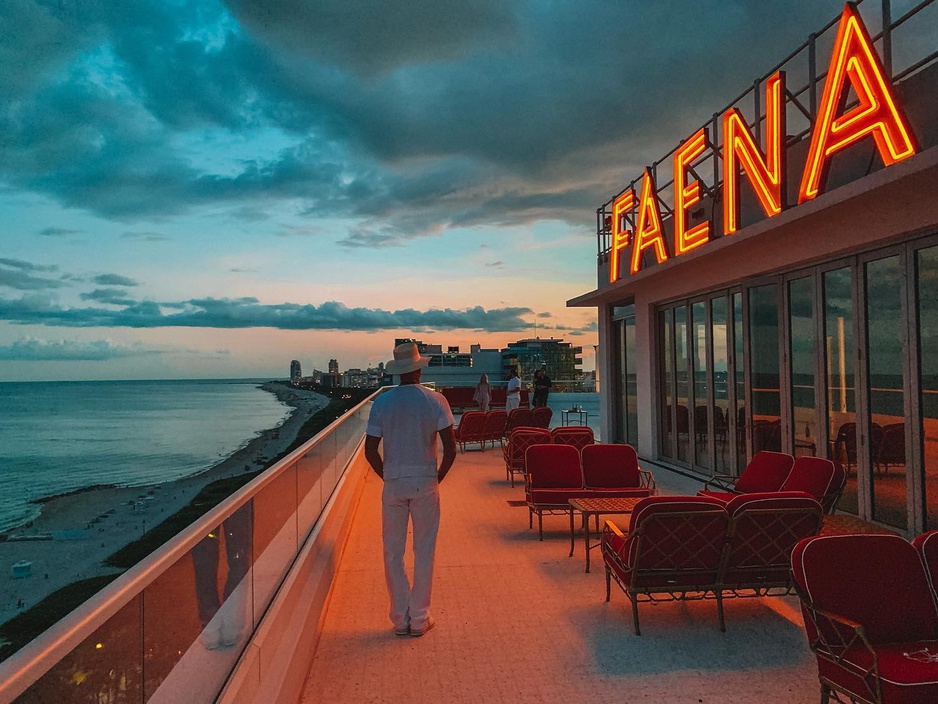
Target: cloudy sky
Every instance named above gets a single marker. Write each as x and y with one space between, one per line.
211 189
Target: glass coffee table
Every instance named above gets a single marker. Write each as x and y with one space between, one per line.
596 507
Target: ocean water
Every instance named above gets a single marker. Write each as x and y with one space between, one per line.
56 437
589 402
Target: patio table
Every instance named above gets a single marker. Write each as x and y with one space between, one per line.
596 507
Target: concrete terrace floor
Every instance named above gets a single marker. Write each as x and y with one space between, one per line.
519 621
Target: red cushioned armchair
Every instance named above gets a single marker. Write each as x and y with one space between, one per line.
672 551
766 471
554 477
614 469
870 617
471 429
518 443
579 436
822 478
493 430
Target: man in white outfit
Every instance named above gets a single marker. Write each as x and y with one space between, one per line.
513 395
407 420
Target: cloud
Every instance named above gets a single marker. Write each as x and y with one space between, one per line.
496 265
32 349
145 236
110 296
436 114
58 232
545 315
250 313
22 275
27 266
114 280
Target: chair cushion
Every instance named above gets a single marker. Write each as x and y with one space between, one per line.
874 579
814 475
765 529
766 472
554 467
557 497
610 466
906 678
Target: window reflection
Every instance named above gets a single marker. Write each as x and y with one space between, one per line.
701 404
721 394
681 363
887 411
802 350
740 381
838 365
764 366
928 356
667 385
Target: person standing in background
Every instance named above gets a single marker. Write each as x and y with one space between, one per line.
483 393
406 422
513 396
542 386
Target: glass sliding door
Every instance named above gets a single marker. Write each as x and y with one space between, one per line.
699 337
927 299
802 348
764 368
631 384
721 391
886 361
666 403
681 363
626 399
739 381
840 383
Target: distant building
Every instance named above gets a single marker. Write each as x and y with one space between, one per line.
355 379
561 359
331 380
296 372
456 368
333 366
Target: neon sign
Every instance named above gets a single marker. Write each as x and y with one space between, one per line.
854 65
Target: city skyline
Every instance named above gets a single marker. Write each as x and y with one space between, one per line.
205 189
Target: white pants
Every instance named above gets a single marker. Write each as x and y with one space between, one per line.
417 499
512 401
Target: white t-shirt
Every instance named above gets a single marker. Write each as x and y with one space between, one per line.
514 385
407 419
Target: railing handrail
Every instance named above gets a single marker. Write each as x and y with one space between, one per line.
27 665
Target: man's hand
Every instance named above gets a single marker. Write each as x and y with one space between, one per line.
373 456
448 437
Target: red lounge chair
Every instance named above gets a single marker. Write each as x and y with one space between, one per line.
870 617
892 446
764 529
519 418
494 427
672 551
540 417
554 477
518 442
766 472
579 436
614 469
470 429
821 478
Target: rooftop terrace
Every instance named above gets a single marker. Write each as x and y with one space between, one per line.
520 621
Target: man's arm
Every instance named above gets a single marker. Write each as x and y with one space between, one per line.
449 451
372 455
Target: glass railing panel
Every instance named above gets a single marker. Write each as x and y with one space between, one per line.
196 615
106 667
309 480
330 465
275 536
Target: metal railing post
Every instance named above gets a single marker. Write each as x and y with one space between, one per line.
887 37
812 75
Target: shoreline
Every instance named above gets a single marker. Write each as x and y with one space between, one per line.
77 530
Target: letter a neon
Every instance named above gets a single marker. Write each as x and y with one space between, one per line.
766 174
648 231
620 236
877 115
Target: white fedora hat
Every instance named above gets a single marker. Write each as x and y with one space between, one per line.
406 359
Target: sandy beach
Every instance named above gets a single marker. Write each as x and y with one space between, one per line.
112 517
